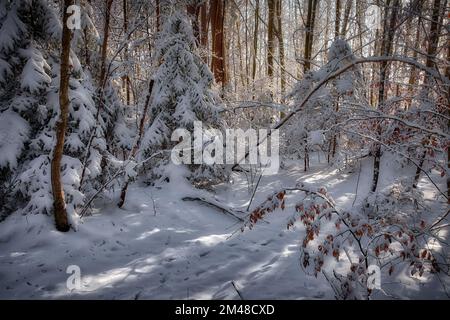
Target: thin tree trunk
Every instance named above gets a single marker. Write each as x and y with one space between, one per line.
271 4
333 142
247 43
86 33
255 40
218 65
348 8
413 73
281 50
123 192
372 81
108 4
59 204
430 63
241 61
204 24
447 74
158 15
334 139
359 21
125 29
309 38
337 20
309 35
386 46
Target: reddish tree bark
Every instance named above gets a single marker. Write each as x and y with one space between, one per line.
218 63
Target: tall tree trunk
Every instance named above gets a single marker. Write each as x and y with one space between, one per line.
333 141
447 74
309 34
255 40
87 40
359 11
413 73
386 47
430 63
309 38
281 50
348 8
372 93
125 29
241 59
218 63
59 204
108 4
247 44
337 18
158 15
271 7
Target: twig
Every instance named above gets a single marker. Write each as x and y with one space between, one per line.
239 294
357 185
254 191
118 173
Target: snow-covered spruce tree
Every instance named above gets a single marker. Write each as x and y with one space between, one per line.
181 95
30 38
110 139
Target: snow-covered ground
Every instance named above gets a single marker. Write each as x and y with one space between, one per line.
160 247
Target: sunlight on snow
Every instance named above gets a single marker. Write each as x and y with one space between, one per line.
105 279
211 240
17 254
148 233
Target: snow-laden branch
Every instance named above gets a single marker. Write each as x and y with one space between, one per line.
432 72
402 121
126 166
401 154
256 104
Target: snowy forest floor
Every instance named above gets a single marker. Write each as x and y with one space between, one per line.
182 250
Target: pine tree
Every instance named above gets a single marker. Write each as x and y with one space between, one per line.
29 104
182 87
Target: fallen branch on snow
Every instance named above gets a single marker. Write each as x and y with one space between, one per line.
216 204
